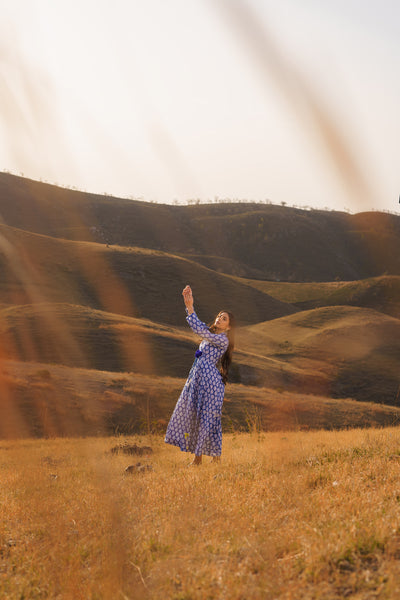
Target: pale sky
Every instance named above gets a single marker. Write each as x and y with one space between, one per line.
293 101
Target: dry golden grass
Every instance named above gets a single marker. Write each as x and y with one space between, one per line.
284 515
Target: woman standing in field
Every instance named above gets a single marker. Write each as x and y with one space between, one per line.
195 425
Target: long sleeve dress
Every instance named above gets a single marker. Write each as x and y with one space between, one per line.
195 425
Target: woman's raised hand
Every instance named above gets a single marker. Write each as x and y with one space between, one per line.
188 298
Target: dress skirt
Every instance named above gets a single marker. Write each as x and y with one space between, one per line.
195 425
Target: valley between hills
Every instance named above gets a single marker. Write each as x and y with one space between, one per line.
94 338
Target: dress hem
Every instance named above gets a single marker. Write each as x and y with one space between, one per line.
172 443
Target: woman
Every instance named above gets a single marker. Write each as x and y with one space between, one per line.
195 425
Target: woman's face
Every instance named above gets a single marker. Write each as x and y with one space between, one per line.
222 321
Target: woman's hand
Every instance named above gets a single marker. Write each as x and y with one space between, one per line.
188 298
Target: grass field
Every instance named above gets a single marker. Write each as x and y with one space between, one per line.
285 515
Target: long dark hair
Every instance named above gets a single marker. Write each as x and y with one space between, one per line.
226 358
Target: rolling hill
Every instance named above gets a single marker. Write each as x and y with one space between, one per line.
124 280
267 241
380 293
351 351
341 352
43 400
92 285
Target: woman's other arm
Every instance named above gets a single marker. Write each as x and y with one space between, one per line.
217 339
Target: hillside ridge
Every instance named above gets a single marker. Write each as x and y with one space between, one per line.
131 281
275 242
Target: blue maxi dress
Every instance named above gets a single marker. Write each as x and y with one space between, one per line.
195 425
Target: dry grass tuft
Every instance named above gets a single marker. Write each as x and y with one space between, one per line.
293 515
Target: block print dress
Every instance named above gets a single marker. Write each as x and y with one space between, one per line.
195 425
